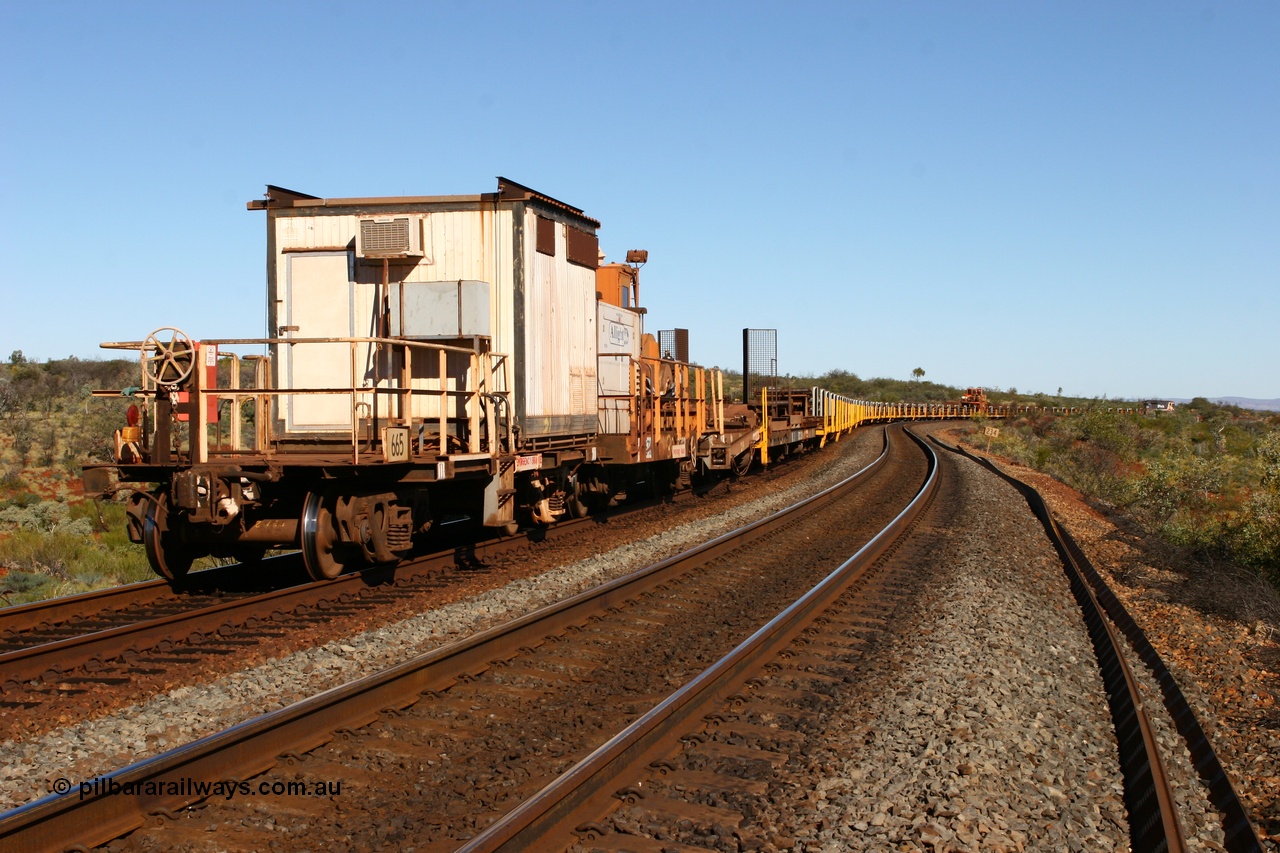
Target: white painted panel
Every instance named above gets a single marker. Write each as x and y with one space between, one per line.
499 252
583 333
440 309
620 330
619 342
560 331
457 244
473 245
319 305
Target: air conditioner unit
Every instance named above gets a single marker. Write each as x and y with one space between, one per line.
389 237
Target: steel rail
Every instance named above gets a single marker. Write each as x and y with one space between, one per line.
1238 831
64 655
53 611
123 799
547 819
241 577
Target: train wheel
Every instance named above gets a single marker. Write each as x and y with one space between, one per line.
169 556
320 547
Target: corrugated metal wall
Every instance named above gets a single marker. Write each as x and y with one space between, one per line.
620 332
478 244
457 244
560 335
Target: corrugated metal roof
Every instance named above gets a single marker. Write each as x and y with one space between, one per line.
508 190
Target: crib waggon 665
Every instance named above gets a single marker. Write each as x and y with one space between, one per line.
430 359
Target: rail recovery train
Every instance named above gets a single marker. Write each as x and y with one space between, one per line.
430 359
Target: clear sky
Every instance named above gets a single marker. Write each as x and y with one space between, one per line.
1082 195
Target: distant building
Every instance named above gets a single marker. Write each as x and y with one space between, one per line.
1158 405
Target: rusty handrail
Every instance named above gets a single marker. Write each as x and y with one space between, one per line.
489 369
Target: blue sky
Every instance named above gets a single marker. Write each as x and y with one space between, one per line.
1082 195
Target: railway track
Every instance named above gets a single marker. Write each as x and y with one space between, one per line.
313 722
77 646
50 620
83 643
472 734
40 622
655 770
89 632
1148 793
725 719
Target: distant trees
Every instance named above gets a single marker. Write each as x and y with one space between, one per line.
48 408
918 373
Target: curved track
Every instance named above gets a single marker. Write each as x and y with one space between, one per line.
480 729
573 805
257 745
1148 794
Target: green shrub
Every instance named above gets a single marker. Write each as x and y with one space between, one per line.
1204 477
66 562
44 517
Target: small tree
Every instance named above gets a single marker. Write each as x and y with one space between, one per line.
918 373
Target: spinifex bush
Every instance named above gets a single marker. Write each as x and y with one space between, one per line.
1206 478
44 517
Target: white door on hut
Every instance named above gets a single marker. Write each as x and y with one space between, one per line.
319 304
